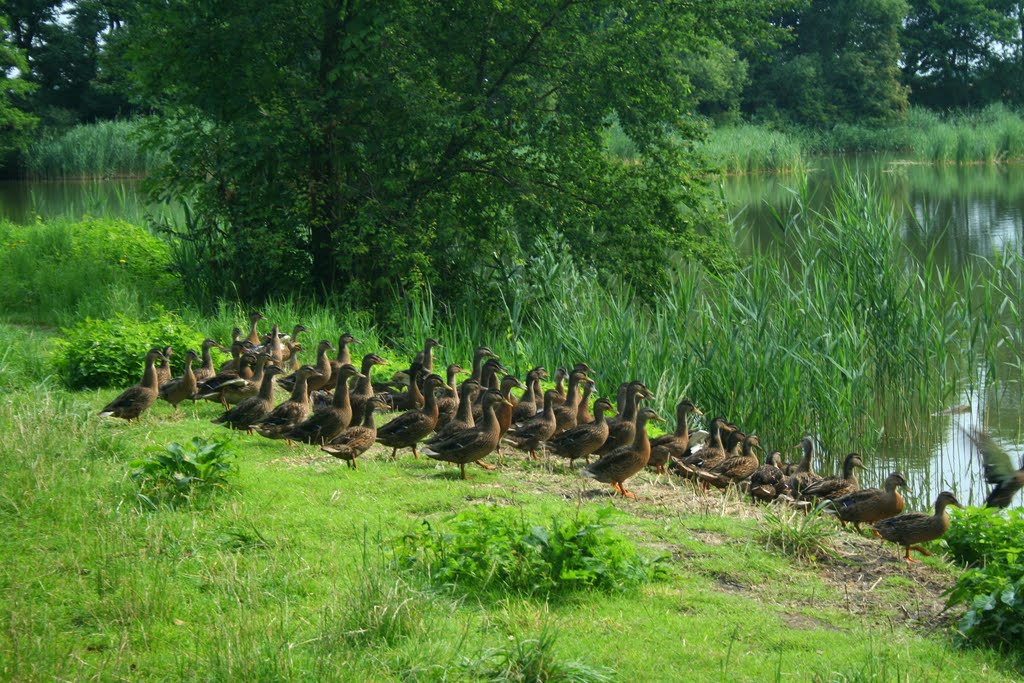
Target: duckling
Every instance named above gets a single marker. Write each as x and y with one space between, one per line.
736 468
565 414
999 470
364 386
622 463
253 409
768 481
163 369
134 401
177 389
675 444
868 506
583 439
464 418
916 527
281 419
535 431
804 475
471 445
408 428
206 370
527 406
833 488
325 424
355 441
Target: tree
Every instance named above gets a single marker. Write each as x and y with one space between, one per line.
363 148
15 124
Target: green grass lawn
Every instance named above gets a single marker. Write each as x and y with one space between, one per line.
288 576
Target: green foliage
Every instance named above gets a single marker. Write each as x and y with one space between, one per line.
992 542
534 659
492 548
96 150
110 352
807 536
754 149
16 124
61 271
177 472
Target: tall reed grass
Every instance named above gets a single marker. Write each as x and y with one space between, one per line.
754 149
96 150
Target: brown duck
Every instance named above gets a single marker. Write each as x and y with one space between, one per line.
356 440
527 406
214 388
583 415
529 435
710 455
364 387
804 475
251 410
565 414
736 468
618 466
583 439
503 411
206 370
163 368
471 445
1000 472
464 417
408 428
868 506
673 445
328 422
768 481
622 429
448 403
322 379
344 356
281 419
134 401
833 488
916 527
177 389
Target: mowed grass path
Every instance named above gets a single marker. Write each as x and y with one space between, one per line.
287 577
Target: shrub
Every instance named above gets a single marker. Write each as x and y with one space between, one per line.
982 536
101 353
177 471
495 548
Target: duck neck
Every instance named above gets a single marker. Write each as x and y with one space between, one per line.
599 415
682 427
478 360
805 462
207 359
344 356
429 401
267 387
189 375
254 333
341 397
640 440
549 408
528 395
299 394
850 472
149 379
465 411
716 436
632 402
414 388
321 359
261 365
365 386
368 414
428 357
572 396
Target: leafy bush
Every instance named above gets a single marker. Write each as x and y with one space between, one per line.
101 353
62 270
992 541
495 548
177 471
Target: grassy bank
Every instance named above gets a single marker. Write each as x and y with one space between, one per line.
108 149
289 574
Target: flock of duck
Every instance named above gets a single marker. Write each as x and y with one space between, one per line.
332 404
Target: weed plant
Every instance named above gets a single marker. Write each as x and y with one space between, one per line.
183 472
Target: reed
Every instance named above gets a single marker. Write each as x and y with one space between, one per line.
96 150
754 149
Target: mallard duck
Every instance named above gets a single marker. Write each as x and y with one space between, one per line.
527 406
425 358
253 409
408 428
583 415
214 388
413 398
464 416
273 345
622 463
471 445
561 374
237 390
238 349
673 445
916 527
326 423
565 414
868 506
163 368
503 411
707 457
768 481
733 469
448 403
479 355
344 356
177 389
489 374
254 332
206 370
322 366
833 488
293 411
583 439
622 429
364 386
291 361
134 401
804 475
529 435
999 470
355 441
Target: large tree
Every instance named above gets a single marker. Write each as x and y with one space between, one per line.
15 124
362 147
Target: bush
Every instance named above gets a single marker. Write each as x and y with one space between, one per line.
992 542
62 270
176 472
495 548
101 353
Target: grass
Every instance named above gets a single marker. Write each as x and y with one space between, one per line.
755 149
108 149
282 577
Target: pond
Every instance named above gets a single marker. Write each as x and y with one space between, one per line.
962 213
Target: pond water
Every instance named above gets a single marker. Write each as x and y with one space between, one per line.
962 213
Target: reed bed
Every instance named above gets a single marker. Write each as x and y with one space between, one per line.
97 150
754 149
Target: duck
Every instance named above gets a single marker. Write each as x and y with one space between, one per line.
206 370
254 333
464 416
526 408
291 361
868 506
163 369
618 466
411 399
344 356
134 401
253 409
529 435
489 374
272 344
177 389
769 481
471 445
408 428
804 475
622 429
214 388
999 471
712 453
237 390
583 415
480 354
561 374
448 403
239 348
281 419
364 386
326 423
565 414
734 469
503 411
322 367
425 358
917 527
673 445
583 439
832 488
358 439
